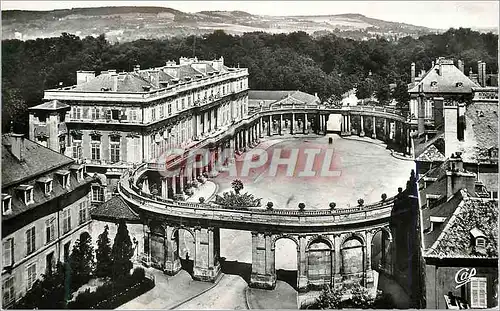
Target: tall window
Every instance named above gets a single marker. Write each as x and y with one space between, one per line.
169 108
77 113
133 115
31 276
153 114
95 113
8 252
95 147
114 147
97 194
77 148
30 240
183 104
162 111
66 220
50 230
8 290
82 212
478 292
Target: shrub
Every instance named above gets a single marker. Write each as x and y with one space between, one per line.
237 185
333 205
361 202
384 196
302 206
234 200
269 206
202 200
138 274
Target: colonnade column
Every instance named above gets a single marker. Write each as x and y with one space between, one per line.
263 268
305 123
207 251
261 127
281 124
302 279
374 127
292 124
386 136
349 124
172 261
368 260
362 130
270 125
337 260
164 189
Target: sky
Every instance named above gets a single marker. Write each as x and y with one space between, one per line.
433 14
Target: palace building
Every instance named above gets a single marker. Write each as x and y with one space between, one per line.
45 208
113 120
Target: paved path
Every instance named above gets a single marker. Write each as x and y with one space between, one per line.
228 294
168 291
282 297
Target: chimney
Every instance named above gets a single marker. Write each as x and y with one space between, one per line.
480 72
137 68
114 77
450 127
412 72
440 69
438 111
470 73
483 73
457 178
17 149
432 65
421 110
461 65
155 78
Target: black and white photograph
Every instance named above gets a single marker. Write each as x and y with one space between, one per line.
223 155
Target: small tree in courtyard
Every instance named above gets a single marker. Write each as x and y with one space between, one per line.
103 254
330 297
237 185
82 260
332 205
384 196
361 202
269 206
122 252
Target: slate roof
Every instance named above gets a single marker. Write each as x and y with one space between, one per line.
456 240
37 160
431 154
446 80
421 146
51 105
115 209
127 82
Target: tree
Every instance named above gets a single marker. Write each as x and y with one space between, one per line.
103 254
383 93
51 291
82 260
361 202
237 185
360 297
400 94
302 206
122 252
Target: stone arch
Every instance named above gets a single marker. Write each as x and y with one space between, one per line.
385 229
356 235
353 252
319 238
284 236
319 259
176 229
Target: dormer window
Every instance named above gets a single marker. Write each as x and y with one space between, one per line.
479 239
64 178
26 193
436 222
78 171
431 199
6 204
46 183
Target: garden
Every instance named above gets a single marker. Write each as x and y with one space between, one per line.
85 281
